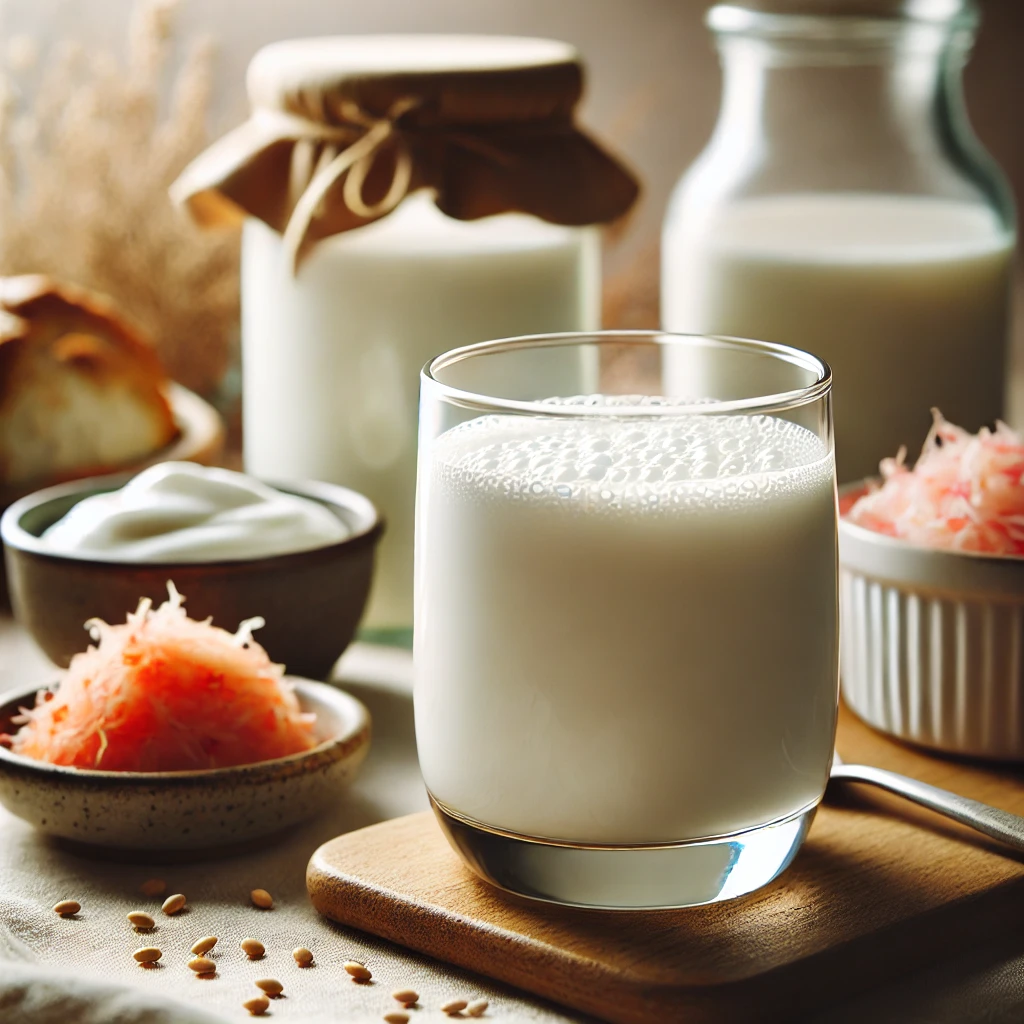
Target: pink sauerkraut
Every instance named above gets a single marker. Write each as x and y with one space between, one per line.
965 493
163 692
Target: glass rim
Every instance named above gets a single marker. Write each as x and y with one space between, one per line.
736 18
761 404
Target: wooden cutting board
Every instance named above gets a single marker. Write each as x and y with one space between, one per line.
880 888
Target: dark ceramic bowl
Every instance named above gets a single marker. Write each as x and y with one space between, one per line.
312 601
173 813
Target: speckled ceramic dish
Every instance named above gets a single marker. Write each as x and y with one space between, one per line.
177 812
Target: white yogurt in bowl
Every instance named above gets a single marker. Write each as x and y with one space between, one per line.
183 512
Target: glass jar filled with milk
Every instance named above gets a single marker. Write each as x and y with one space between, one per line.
845 206
400 196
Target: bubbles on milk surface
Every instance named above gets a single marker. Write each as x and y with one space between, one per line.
662 464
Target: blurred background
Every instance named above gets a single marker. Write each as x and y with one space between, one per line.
653 93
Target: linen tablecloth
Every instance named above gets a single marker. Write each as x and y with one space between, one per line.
48 963
81 971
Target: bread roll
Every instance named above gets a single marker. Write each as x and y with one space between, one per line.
81 390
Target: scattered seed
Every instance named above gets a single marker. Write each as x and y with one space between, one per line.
303 956
141 920
202 965
406 996
270 985
477 1009
262 899
147 955
257 1006
204 945
153 887
66 907
173 904
357 971
252 948
453 1007
396 1017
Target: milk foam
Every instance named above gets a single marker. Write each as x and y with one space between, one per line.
648 466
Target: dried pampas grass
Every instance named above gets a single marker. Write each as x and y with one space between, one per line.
85 163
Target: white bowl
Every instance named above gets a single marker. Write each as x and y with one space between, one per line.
932 642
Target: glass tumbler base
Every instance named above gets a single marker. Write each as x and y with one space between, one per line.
661 876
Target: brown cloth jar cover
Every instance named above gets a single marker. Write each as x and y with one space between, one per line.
343 128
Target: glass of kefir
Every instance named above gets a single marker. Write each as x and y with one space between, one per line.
626 614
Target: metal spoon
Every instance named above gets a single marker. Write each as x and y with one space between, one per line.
991 821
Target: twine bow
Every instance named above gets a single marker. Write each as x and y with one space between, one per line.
357 159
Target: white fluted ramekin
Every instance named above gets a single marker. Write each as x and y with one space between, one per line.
932 643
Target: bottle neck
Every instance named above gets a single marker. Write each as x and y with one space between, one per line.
835 107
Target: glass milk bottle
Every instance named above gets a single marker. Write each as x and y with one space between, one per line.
400 196
844 206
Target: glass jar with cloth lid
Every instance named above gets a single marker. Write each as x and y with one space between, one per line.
401 195
845 206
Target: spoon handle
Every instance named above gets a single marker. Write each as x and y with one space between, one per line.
1002 825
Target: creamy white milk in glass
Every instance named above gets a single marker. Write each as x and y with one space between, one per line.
331 356
629 627
626 633
843 205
